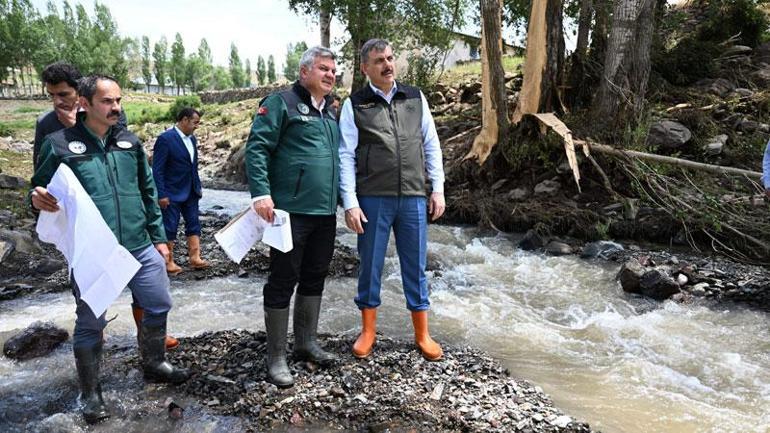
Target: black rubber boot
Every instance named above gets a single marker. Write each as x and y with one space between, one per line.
277 325
153 352
306 347
87 360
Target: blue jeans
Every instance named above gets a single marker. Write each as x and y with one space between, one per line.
150 290
407 217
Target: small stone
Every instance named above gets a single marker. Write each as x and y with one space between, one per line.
561 421
681 279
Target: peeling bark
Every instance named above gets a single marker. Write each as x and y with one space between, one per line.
494 108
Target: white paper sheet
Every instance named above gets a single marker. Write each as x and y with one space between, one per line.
100 266
246 228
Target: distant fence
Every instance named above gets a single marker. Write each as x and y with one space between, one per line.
233 95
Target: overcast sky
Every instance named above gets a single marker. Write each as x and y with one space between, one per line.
257 27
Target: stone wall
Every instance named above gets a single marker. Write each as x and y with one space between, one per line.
233 95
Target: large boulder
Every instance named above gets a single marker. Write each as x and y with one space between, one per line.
669 135
39 339
556 248
630 275
658 284
531 241
600 249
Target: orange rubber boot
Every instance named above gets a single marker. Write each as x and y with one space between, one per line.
138 312
362 348
194 253
429 348
171 267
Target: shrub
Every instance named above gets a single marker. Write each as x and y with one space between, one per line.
181 102
689 61
727 18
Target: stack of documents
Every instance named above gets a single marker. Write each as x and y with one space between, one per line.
100 266
243 231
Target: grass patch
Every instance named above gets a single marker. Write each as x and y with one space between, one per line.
16 164
9 127
467 70
141 112
26 109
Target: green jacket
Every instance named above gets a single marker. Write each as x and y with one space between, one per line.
115 173
292 153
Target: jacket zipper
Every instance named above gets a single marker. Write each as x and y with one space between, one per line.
111 178
331 150
398 144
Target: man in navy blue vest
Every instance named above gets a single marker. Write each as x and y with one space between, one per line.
175 169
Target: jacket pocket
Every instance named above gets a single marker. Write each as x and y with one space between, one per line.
299 180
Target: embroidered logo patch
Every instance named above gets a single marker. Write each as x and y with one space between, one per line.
124 144
77 147
303 108
262 111
365 106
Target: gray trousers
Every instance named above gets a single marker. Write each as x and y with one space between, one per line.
150 289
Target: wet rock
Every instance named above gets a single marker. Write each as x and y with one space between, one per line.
668 135
556 248
6 248
39 339
658 285
762 76
394 390
531 241
13 291
630 276
547 187
60 423
681 279
22 241
600 249
715 145
48 266
12 182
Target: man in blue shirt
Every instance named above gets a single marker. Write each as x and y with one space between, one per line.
388 143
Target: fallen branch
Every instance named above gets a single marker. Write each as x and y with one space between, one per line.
603 148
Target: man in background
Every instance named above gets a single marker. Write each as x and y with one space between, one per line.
175 169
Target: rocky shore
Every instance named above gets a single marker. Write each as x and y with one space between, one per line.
395 390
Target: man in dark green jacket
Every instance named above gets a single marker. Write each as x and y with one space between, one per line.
292 163
110 164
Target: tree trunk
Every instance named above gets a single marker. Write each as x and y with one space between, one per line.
545 58
584 27
627 64
493 102
325 24
582 78
600 31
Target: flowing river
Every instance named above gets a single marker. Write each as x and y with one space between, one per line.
621 363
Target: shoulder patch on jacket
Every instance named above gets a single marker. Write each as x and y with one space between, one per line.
262 111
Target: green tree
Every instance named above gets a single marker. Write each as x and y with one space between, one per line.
236 67
204 80
193 72
405 23
261 70
177 70
293 56
159 55
146 62
247 80
270 69
222 78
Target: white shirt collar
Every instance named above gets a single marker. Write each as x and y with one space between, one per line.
181 134
390 94
319 105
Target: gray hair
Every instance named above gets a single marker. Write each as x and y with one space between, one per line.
373 44
309 56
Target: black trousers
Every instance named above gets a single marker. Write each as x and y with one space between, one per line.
307 264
